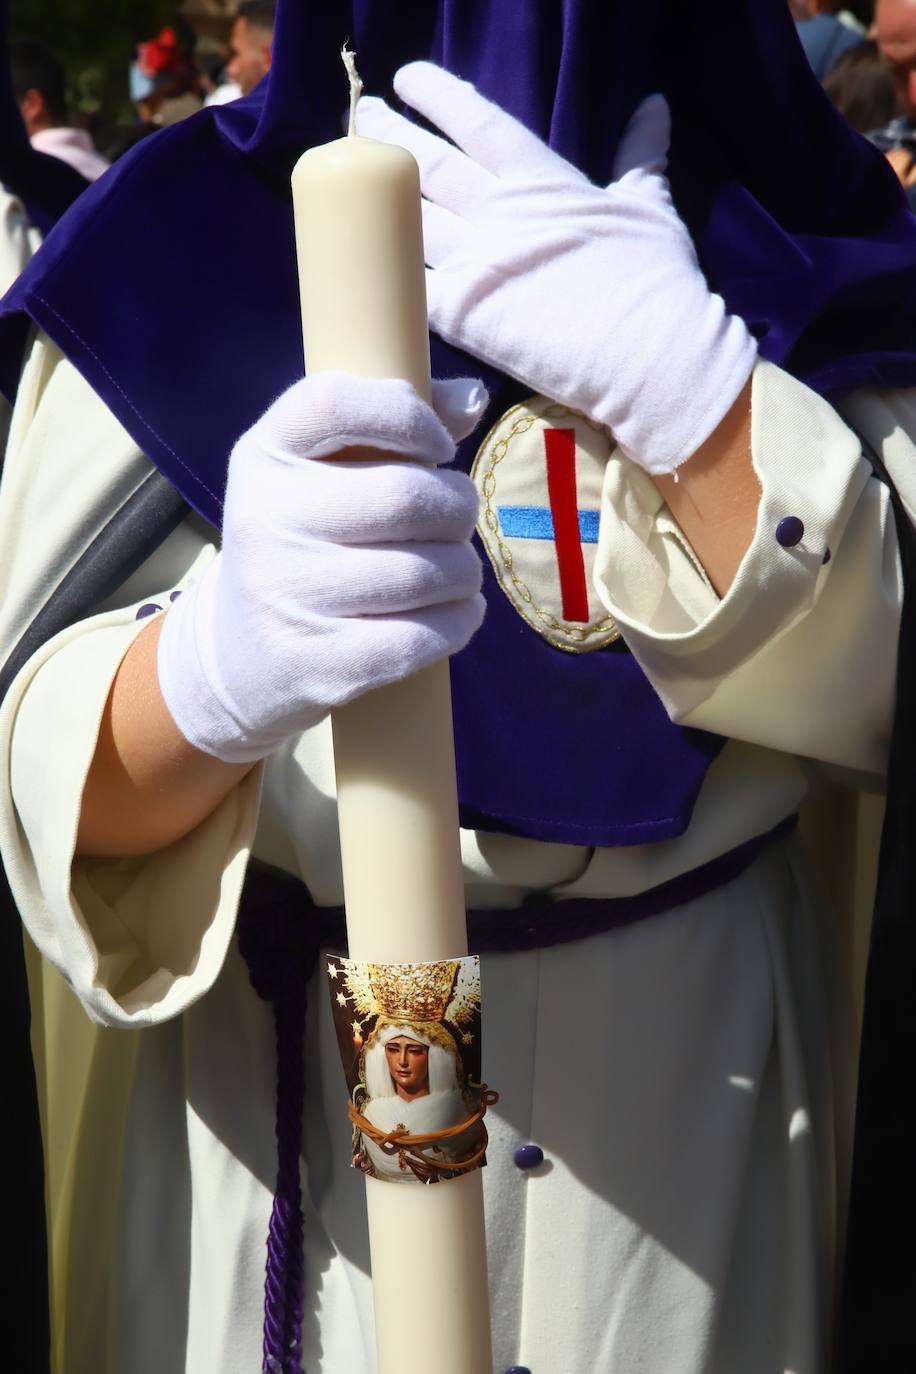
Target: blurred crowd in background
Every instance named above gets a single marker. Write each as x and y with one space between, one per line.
864 54
88 107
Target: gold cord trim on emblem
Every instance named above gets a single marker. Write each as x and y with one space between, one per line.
401 1143
539 618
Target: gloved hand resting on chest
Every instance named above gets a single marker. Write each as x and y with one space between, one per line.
591 295
334 576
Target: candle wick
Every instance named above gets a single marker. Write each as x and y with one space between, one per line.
356 86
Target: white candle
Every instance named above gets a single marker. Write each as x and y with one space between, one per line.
360 254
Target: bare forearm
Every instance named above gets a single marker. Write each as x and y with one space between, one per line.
716 495
147 785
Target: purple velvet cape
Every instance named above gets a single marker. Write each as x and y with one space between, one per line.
800 224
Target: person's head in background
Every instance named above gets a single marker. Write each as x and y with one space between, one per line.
860 10
895 32
807 9
250 42
39 85
861 87
826 30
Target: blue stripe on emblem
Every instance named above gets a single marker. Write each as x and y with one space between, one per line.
536 522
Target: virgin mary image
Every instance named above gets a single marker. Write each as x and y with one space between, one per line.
414 1079
412 1082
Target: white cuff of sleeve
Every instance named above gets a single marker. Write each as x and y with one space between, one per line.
687 639
138 939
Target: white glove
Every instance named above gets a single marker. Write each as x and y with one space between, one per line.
333 577
592 296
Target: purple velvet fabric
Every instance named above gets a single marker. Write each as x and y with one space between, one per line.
579 753
189 241
799 221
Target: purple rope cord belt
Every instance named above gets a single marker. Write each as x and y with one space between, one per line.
281 932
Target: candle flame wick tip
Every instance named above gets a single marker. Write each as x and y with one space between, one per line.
356 86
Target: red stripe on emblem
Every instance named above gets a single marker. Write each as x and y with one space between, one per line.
560 450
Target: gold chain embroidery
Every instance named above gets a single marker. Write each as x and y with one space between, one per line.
540 618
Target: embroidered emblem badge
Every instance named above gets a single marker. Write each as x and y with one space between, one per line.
539 472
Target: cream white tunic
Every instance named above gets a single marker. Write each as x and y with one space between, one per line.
688 1077
19 238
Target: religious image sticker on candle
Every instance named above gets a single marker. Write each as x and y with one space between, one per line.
409 1038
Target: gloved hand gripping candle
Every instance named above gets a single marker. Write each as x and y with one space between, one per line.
361 273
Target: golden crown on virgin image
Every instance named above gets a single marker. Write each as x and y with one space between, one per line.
445 990
417 992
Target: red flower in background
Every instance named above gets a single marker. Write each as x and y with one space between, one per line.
158 55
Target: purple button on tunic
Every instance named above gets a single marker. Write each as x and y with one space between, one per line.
529 1156
790 531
